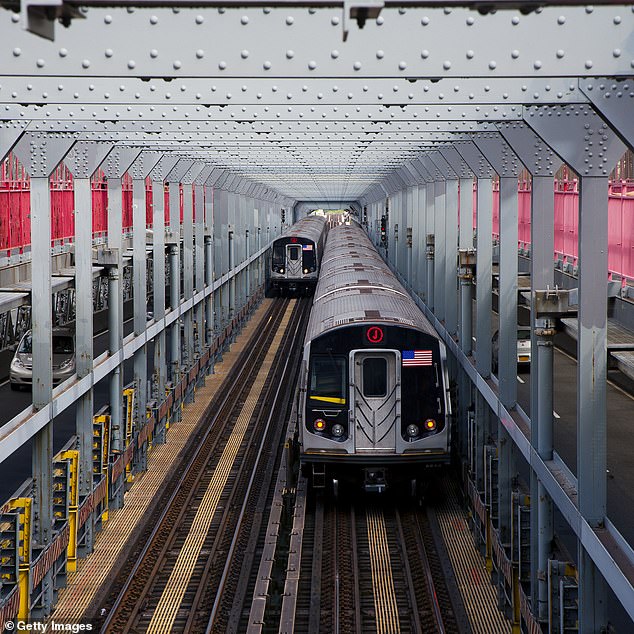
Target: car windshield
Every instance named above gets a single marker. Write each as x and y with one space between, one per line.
26 345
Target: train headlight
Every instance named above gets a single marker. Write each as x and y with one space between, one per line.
281 269
319 424
412 431
305 271
430 424
337 430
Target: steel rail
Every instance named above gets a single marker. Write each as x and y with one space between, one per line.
228 394
299 319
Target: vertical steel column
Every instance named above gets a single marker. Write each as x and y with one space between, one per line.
491 151
139 293
542 163
115 166
188 271
83 160
158 292
232 279
199 247
41 334
209 268
84 341
592 388
175 280
586 143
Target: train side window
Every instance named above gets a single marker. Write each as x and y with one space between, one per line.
374 377
328 379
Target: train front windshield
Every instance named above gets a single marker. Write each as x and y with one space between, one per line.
328 380
307 253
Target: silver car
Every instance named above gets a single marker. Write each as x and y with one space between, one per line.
21 369
523 348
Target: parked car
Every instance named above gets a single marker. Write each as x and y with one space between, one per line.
21 368
523 348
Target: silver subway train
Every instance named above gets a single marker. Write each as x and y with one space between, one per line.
296 255
374 405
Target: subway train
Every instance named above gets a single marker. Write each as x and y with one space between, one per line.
374 408
296 255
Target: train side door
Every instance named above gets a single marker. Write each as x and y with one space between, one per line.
375 398
293 260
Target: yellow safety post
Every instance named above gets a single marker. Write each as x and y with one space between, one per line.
488 542
23 506
72 455
517 614
128 394
102 468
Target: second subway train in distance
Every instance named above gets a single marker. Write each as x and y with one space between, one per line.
373 403
296 255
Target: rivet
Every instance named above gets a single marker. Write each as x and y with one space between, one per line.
560 53
357 66
131 64
424 21
446 65
380 54
561 20
153 19
108 19
446 10
153 54
266 10
40 63
402 65
589 64
589 9
616 52
17 52
222 65
424 54
492 65
15 18
470 54
380 96
312 65
537 64
380 20
334 54
290 54
470 21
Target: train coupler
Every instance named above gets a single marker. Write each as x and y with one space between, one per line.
374 480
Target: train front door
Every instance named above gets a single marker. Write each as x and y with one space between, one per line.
375 398
293 260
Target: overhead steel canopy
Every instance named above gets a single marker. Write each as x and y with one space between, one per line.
312 99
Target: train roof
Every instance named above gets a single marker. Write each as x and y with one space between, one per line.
310 227
356 286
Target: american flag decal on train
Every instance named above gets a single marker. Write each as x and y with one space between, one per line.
307 247
416 357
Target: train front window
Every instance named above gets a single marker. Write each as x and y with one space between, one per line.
374 377
328 380
293 253
279 254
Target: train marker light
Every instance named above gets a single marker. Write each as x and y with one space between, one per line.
430 424
412 431
319 424
337 430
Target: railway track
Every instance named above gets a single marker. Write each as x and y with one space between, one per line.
193 572
368 566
